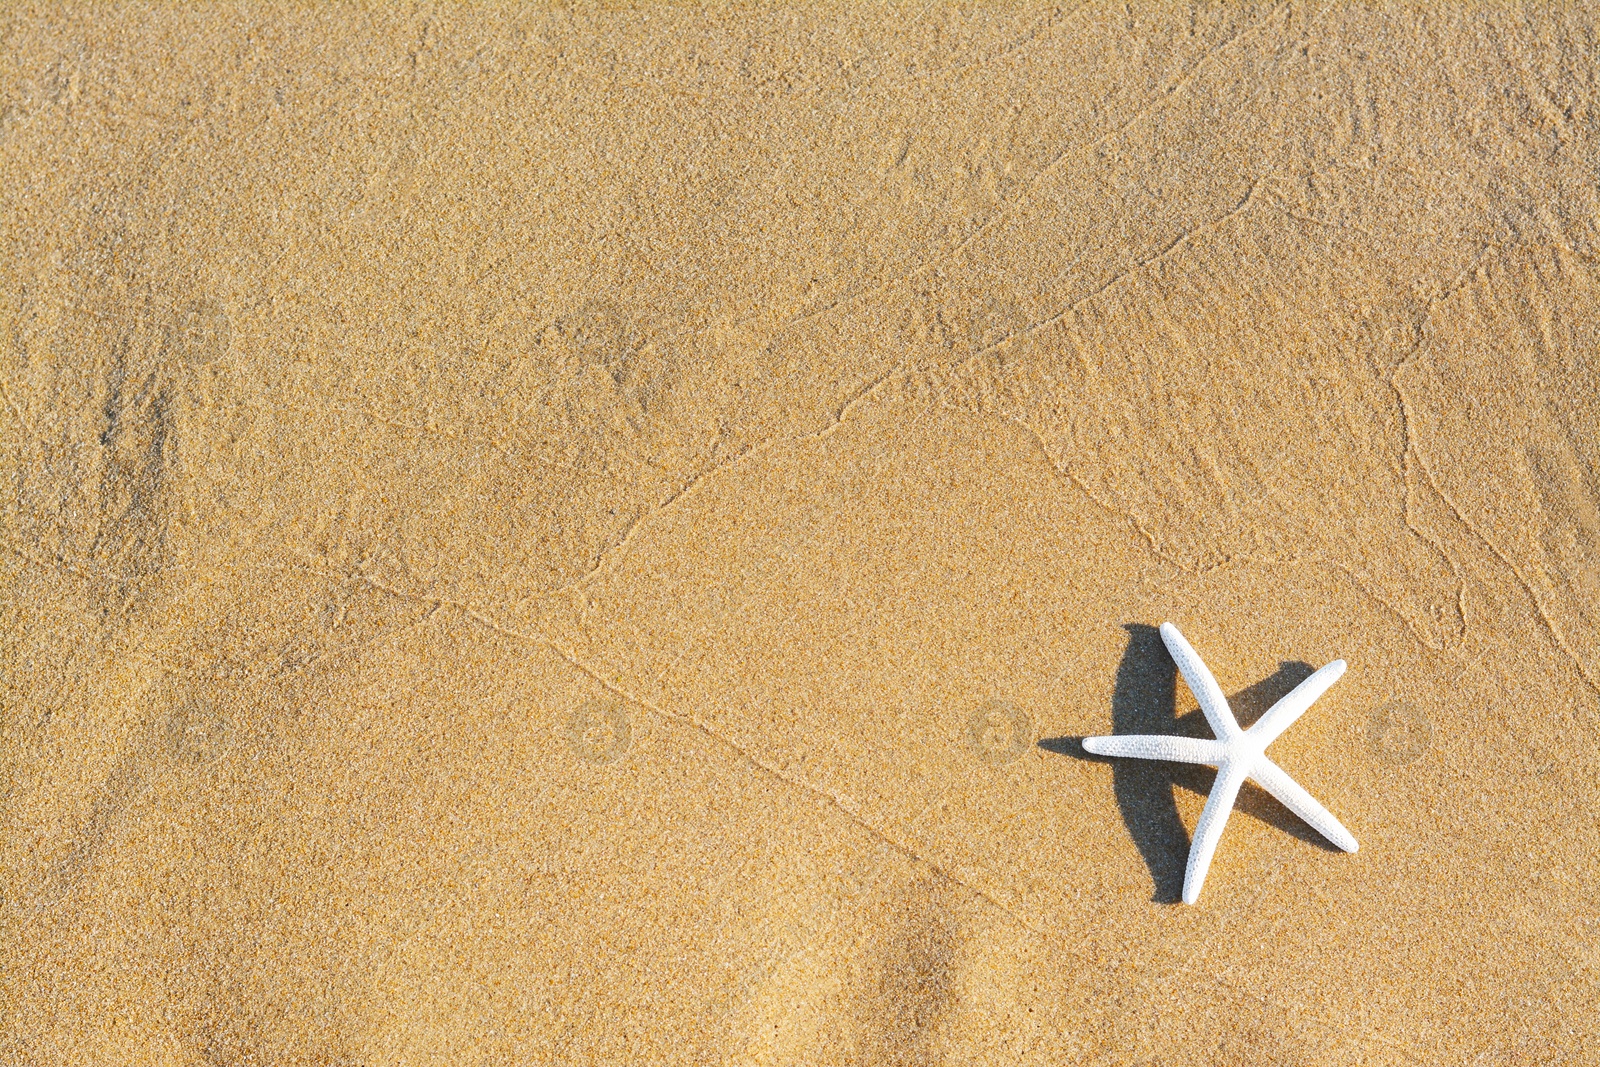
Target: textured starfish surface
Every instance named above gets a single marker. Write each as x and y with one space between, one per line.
1237 754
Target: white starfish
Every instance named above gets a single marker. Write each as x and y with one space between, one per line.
1237 754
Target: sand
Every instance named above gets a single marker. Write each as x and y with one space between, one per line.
591 536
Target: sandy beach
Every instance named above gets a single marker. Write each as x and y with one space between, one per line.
594 536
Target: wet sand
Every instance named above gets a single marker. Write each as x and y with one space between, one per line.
593 537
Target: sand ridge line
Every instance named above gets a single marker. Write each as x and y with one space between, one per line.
1005 209
1470 274
610 555
1071 309
845 805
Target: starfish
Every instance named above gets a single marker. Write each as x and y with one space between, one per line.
1237 754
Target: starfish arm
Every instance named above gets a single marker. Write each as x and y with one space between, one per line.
1157 746
1205 688
1283 714
1209 830
1274 780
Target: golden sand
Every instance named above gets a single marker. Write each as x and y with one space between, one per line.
588 536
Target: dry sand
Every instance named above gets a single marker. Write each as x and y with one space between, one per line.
586 537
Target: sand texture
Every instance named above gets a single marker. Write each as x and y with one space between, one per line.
592 537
